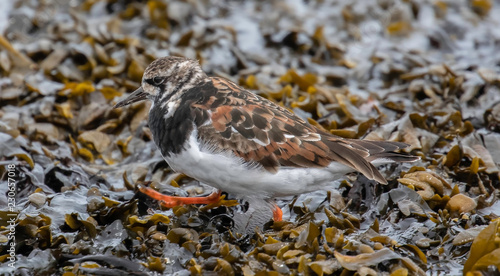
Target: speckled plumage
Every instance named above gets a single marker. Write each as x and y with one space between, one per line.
217 132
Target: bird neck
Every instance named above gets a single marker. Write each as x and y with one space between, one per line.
175 87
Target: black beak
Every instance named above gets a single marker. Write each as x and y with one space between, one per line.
136 96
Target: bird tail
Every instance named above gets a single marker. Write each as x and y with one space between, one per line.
364 155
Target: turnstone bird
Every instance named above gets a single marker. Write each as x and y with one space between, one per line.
220 134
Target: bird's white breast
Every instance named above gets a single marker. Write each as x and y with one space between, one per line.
230 173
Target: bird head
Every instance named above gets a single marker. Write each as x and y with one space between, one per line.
166 78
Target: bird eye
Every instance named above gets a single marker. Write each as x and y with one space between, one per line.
158 80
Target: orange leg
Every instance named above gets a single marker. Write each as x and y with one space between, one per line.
277 213
172 201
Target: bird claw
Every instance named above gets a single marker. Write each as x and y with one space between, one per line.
213 198
173 201
277 213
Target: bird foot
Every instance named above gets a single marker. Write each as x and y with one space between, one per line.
173 201
213 198
277 213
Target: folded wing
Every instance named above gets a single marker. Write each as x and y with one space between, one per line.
264 133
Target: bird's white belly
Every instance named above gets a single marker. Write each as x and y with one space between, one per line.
229 173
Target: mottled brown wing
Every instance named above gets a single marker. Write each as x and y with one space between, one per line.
262 132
